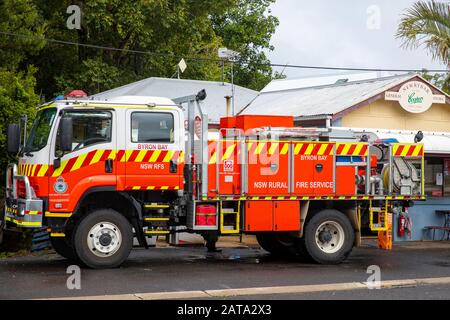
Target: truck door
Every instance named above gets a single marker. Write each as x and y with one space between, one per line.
154 159
91 162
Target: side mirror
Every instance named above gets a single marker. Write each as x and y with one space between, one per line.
13 134
66 134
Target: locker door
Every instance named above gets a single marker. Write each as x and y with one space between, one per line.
278 168
258 216
304 164
258 167
323 169
286 215
229 167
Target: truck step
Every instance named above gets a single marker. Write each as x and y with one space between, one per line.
156 219
156 206
156 232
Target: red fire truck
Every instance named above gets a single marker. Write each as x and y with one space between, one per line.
99 173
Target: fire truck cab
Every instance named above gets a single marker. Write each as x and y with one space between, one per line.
99 173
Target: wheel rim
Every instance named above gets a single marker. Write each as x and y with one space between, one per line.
104 239
330 237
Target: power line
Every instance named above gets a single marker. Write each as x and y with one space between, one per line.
197 58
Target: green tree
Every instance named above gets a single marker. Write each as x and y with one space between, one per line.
17 97
428 24
440 80
170 29
22 17
248 28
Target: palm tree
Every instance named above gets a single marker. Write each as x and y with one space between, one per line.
427 23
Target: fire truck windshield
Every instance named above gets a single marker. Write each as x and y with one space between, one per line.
40 130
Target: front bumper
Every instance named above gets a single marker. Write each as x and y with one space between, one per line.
23 212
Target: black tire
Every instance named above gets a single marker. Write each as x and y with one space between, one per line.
63 248
313 248
278 244
123 246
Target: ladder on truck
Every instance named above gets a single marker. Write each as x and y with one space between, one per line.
380 220
156 218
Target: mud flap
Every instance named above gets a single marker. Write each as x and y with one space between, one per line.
352 215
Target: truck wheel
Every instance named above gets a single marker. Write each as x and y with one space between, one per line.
63 248
278 244
329 237
103 239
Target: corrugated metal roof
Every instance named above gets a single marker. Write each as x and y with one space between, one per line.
328 79
214 105
321 100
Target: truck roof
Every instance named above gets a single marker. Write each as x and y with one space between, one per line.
123 100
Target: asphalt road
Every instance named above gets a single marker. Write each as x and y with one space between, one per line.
191 268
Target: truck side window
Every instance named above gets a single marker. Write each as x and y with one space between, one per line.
156 127
89 128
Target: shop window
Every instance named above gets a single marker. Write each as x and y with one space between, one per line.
434 177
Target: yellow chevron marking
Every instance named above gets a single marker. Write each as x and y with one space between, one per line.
150 187
293 198
43 170
136 188
358 148
79 162
177 188
164 187
97 156
297 148
213 158
255 198
168 156
181 157
405 150
346 148
259 147
126 155
155 156
112 155
417 151
305 198
310 148
34 170
32 212
322 149
273 147
229 152
140 156
280 198
58 171
249 145
267 198
285 149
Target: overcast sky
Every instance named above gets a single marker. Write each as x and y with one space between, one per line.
343 33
